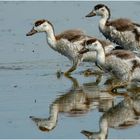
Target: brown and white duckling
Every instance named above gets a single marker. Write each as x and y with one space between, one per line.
77 101
123 32
124 115
123 64
67 43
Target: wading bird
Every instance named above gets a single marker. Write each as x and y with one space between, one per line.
67 43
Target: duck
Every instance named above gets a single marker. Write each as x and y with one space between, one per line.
124 65
121 31
122 116
67 43
79 100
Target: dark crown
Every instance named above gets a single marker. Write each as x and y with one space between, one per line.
39 22
98 6
90 41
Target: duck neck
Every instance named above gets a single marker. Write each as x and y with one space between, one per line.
103 20
100 57
54 114
103 128
51 40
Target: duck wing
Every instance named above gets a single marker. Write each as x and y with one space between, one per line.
121 24
137 30
71 35
123 54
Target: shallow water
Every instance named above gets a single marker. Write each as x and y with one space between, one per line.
29 84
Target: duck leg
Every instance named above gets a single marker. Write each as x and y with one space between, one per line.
74 81
88 134
74 66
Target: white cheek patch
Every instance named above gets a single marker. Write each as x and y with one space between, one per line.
91 47
39 28
34 27
138 29
44 25
95 44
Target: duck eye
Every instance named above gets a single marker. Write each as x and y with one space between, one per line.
102 10
95 44
44 25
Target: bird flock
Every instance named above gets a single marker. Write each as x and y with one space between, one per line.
122 62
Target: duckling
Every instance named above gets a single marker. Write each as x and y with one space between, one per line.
67 43
122 64
124 115
122 31
77 101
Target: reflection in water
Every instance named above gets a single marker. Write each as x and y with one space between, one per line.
123 115
77 101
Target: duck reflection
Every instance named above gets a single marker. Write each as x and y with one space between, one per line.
79 100
124 115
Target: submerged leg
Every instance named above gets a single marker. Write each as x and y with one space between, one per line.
74 66
89 72
74 81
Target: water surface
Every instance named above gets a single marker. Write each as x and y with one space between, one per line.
28 81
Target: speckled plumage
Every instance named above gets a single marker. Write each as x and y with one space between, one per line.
124 115
68 43
121 31
123 64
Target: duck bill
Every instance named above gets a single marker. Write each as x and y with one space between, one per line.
38 123
32 32
44 129
86 133
84 50
91 14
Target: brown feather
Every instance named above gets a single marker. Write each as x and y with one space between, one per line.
123 54
39 22
135 64
127 124
71 35
137 35
90 40
121 24
104 43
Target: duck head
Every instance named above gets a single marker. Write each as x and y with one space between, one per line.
100 10
91 45
40 26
